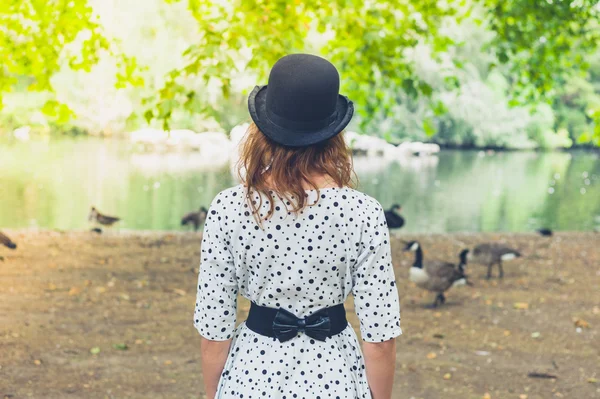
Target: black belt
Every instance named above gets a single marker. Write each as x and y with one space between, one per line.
283 325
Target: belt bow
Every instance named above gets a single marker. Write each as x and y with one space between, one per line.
286 325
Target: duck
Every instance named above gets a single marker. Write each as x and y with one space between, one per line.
195 218
491 254
545 232
393 217
434 275
7 242
102 219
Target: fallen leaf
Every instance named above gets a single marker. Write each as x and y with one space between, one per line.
121 347
51 286
168 362
95 350
101 290
581 323
87 283
535 335
482 353
139 341
431 355
521 305
447 376
487 396
438 336
592 380
437 314
507 333
522 396
179 291
74 291
37 362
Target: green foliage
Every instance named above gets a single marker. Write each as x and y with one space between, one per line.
490 64
37 35
371 42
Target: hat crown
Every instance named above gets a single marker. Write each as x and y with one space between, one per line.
303 88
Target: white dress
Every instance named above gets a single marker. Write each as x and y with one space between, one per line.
301 263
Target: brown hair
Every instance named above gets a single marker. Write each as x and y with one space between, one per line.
270 169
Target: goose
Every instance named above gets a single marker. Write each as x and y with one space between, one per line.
490 254
7 242
545 232
434 275
102 219
393 217
462 256
195 218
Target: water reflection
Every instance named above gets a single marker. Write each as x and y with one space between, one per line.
52 185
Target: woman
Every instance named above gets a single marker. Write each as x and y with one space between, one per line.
296 240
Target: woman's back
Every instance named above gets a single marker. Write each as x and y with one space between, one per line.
301 263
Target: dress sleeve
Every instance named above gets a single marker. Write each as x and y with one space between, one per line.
374 284
216 299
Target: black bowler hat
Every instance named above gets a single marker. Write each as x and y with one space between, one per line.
301 105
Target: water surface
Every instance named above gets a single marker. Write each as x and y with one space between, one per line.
53 184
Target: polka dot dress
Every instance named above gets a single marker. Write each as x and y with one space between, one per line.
301 263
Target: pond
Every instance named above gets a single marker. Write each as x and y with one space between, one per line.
53 185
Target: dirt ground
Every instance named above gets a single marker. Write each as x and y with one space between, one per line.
110 316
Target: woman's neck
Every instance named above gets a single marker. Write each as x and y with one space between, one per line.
319 181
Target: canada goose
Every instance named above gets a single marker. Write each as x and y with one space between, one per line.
4 240
102 219
490 254
545 232
195 218
393 217
434 275
462 256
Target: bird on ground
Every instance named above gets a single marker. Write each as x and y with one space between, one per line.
102 219
195 218
434 275
545 232
393 217
462 256
491 254
7 242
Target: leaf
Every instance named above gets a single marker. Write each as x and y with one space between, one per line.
95 350
431 355
521 305
121 347
428 127
580 323
149 115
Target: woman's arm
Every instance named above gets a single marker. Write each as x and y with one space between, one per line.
214 356
380 363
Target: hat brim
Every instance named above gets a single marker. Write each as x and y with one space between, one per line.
257 106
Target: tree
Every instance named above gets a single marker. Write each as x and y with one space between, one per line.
370 41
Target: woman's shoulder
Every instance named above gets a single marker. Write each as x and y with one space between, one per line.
228 197
363 200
